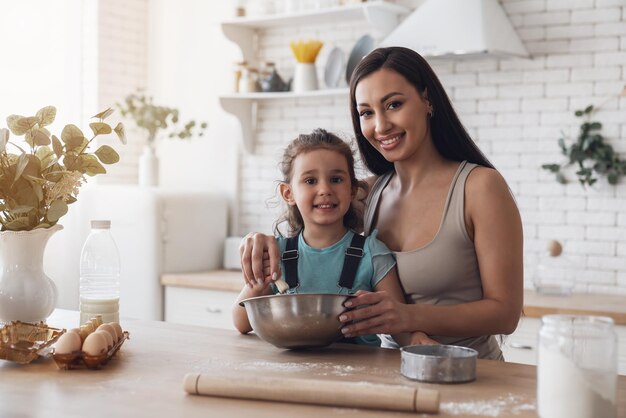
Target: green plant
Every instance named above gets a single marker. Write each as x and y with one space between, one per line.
589 153
152 118
38 183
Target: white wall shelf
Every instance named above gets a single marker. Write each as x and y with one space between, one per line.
244 107
375 12
286 94
381 16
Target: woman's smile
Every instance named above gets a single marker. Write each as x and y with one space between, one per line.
389 142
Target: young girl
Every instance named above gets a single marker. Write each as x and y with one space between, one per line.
319 186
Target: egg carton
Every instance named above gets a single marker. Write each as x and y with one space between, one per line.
23 342
80 359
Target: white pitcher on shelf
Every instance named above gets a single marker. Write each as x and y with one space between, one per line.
305 74
305 77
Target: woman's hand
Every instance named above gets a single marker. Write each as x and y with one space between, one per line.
260 258
420 338
379 313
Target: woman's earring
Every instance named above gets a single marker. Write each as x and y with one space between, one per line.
431 113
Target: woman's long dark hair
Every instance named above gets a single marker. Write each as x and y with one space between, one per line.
449 136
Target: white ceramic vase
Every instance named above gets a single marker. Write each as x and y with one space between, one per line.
304 77
26 293
148 167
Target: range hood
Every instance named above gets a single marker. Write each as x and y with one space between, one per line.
458 28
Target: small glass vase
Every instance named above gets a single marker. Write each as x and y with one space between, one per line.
27 294
148 167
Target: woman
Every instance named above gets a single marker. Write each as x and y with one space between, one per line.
438 203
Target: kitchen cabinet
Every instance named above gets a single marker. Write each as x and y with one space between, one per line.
202 307
521 346
380 16
190 300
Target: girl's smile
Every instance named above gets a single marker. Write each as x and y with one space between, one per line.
326 206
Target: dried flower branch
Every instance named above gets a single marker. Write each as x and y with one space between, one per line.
37 185
153 118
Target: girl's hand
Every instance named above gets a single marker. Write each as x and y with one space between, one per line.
260 258
379 313
420 338
257 289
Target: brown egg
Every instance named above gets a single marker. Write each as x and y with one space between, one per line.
108 328
118 329
95 344
77 331
554 248
107 337
68 343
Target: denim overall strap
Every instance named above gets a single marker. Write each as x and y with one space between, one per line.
354 254
290 260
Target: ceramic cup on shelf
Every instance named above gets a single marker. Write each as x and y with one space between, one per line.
305 77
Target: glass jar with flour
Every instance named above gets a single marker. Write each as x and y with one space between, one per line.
577 367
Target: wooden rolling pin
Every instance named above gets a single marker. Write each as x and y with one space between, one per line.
315 391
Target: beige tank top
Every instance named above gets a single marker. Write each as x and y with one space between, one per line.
445 271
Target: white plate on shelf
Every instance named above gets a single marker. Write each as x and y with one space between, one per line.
363 46
334 68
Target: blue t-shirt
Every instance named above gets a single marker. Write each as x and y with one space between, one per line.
319 269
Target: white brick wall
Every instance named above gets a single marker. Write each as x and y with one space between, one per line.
121 68
516 110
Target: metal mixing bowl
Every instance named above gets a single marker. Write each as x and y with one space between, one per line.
439 363
296 321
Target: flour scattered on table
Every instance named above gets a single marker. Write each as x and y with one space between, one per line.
319 369
511 404
523 407
324 369
269 365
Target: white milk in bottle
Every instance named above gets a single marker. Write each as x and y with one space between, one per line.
99 275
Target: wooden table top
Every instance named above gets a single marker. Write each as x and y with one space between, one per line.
614 306
145 378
